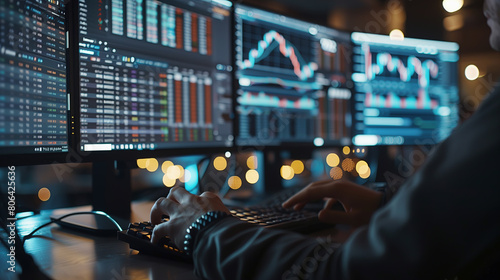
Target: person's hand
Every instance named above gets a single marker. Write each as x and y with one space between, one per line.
359 202
183 209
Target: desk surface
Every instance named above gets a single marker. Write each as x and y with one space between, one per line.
67 254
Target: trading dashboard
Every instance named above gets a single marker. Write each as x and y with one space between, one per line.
294 80
406 90
33 93
154 74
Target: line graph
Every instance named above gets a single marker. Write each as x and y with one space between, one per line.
424 70
273 40
393 101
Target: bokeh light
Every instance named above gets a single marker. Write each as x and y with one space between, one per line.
234 182
362 167
286 172
472 72
332 160
336 173
366 174
186 177
141 163
397 35
252 176
151 164
44 194
167 181
452 6
165 165
298 166
220 163
252 162
173 172
348 165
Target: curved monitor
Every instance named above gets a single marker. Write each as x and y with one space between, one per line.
406 90
34 101
154 76
294 81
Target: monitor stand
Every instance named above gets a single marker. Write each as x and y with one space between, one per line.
111 193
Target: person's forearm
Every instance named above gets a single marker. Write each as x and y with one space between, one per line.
232 249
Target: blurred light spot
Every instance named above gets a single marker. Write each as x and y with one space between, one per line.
181 171
452 6
186 177
397 35
234 182
287 172
44 194
151 164
173 172
454 22
346 150
191 178
348 165
318 142
141 163
332 160
336 173
252 162
471 72
167 181
366 174
165 165
252 176
298 166
362 167
220 163
227 154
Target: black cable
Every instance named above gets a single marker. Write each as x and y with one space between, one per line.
30 235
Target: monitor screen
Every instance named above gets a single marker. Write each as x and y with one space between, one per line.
155 74
294 80
33 96
406 91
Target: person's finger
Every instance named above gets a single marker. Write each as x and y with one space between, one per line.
214 202
209 195
299 206
163 206
335 217
160 231
179 194
329 203
314 191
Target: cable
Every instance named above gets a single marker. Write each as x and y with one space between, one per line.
30 235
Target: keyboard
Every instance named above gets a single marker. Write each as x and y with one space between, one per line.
138 235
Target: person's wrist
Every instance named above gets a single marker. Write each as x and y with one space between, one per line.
202 223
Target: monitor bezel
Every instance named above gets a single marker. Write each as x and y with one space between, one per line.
41 158
452 46
127 155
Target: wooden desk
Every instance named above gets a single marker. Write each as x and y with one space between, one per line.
67 254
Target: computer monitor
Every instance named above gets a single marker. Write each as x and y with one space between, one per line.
294 81
406 90
34 102
154 76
